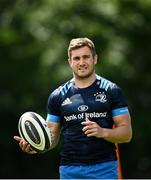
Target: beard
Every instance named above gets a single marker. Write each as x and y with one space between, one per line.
86 75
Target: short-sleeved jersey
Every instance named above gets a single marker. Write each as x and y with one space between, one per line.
70 105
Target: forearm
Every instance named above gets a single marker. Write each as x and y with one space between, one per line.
54 140
54 132
120 134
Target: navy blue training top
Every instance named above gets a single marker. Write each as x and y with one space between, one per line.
70 105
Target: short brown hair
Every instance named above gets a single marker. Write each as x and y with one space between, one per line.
80 42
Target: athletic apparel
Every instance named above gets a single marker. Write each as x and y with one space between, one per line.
106 170
70 105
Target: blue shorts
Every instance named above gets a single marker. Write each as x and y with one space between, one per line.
106 170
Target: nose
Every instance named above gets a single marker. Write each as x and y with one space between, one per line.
82 62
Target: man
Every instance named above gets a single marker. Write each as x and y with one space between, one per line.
85 109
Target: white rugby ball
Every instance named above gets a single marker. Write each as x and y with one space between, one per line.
33 129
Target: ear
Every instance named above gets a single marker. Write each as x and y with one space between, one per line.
95 59
69 61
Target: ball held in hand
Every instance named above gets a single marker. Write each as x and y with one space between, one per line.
33 129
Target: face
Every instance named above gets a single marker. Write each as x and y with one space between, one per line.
82 62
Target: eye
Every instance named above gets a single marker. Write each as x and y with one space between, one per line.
86 56
76 58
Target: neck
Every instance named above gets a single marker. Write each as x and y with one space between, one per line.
84 82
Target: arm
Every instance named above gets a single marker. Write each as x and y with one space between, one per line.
121 133
55 132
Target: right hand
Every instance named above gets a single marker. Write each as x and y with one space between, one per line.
25 146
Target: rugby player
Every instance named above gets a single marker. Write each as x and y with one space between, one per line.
83 111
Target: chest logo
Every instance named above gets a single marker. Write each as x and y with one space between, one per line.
82 108
100 97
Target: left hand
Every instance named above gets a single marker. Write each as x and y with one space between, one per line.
91 128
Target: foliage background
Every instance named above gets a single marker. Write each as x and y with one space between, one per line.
34 37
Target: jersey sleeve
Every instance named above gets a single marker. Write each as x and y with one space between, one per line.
118 101
53 107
